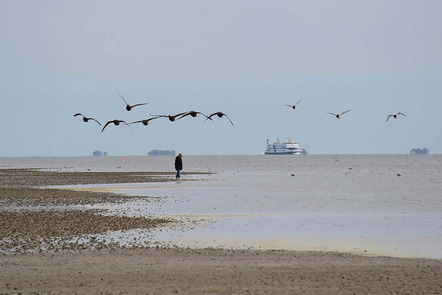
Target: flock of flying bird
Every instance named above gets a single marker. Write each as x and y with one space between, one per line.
145 122
173 118
338 116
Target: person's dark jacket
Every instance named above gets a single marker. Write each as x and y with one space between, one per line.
178 163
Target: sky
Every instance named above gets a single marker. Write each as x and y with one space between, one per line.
245 58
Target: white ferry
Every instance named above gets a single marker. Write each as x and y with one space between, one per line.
286 148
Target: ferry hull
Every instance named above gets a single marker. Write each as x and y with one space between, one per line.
283 153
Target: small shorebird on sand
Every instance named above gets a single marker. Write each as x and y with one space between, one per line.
395 116
116 123
129 107
338 116
220 115
85 119
295 105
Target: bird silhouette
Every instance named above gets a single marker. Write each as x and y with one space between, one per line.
145 122
85 119
193 114
171 118
116 123
220 115
338 116
295 105
395 116
129 107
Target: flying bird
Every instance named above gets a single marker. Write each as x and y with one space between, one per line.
170 117
338 116
220 115
295 105
116 123
145 122
395 116
193 114
85 119
129 107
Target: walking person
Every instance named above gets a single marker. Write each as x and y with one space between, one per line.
178 166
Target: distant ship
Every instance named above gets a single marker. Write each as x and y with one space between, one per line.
285 148
161 153
417 151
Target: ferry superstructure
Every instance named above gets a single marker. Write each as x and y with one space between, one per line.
288 147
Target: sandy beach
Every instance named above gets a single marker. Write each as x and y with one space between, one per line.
43 253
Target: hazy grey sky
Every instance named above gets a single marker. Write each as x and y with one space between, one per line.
244 58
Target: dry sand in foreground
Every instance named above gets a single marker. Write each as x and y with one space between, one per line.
149 270
185 271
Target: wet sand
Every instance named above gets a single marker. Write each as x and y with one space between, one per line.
71 265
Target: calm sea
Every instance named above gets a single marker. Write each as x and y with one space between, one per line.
366 204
